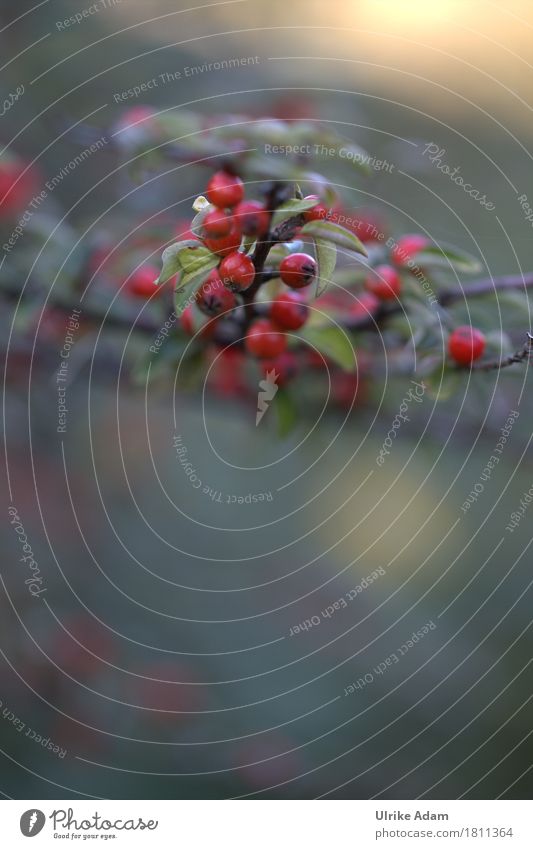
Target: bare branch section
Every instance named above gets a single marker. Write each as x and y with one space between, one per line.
486 286
518 357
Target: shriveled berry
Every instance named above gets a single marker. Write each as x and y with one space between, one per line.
297 270
466 344
225 190
384 282
264 339
289 311
237 271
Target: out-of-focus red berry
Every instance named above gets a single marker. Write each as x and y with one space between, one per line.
227 244
466 344
142 282
285 367
17 186
384 282
264 339
226 375
347 388
225 190
217 224
366 303
192 321
366 226
289 311
407 247
253 218
319 212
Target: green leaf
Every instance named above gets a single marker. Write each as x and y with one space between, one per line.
291 208
197 263
171 259
286 412
283 249
326 257
334 233
198 220
446 256
334 343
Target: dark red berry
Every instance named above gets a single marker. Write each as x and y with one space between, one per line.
253 218
384 282
217 224
466 344
285 367
225 190
289 311
297 270
142 282
319 212
226 244
407 247
212 298
237 271
365 305
264 340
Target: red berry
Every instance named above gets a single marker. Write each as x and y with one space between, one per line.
264 340
297 270
367 227
285 367
142 282
212 298
237 271
318 212
225 189
187 321
466 344
407 246
253 218
289 311
16 187
384 283
365 305
347 389
217 224
227 244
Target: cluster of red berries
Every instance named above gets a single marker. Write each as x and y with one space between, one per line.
228 219
384 281
222 228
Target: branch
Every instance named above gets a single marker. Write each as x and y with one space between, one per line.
518 357
486 286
